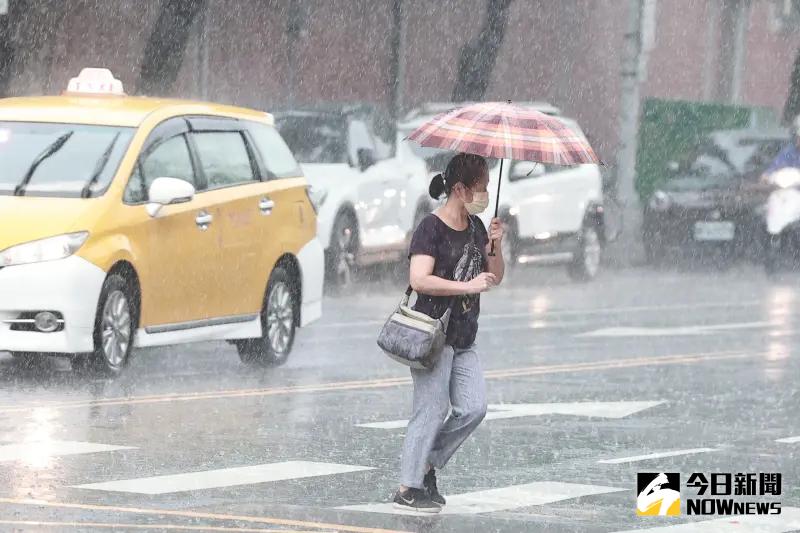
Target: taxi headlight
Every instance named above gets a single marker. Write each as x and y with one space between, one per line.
50 249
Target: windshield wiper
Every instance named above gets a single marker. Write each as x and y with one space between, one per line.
19 190
86 192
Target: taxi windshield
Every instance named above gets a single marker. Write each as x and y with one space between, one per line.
62 160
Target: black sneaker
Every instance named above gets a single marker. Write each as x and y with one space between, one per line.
429 482
415 500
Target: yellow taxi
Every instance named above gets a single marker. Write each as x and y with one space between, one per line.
130 222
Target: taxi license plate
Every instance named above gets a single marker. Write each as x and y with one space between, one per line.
714 231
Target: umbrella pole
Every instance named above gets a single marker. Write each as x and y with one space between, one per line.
497 203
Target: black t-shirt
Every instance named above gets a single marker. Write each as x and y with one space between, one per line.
459 256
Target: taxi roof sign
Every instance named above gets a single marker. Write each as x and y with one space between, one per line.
95 81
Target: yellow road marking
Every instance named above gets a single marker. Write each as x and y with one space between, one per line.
149 527
385 382
316 526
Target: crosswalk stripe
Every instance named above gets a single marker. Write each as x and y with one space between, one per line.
788 520
789 440
511 410
659 455
225 477
37 450
501 499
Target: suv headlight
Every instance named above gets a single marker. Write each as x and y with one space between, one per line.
50 249
660 201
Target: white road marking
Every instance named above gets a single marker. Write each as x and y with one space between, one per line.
673 453
564 312
664 332
788 520
37 450
502 499
225 477
789 440
510 410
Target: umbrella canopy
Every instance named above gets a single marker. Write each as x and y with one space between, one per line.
502 131
505 131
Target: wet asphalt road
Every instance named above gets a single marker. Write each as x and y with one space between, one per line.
710 358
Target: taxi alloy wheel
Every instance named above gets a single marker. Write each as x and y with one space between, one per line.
115 326
278 322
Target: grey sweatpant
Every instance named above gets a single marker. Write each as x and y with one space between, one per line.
456 380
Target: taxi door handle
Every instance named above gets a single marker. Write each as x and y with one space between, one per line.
203 220
265 205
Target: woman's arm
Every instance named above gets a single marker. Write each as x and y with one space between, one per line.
424 282
495 263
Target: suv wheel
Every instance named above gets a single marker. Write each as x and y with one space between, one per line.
509 246
341 264
586 262
278 323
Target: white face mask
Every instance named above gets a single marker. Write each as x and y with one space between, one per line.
479 203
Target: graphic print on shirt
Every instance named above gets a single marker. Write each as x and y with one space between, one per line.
468 268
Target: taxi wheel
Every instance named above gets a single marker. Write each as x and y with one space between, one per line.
278 323
115 325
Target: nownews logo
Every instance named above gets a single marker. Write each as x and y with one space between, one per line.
659 494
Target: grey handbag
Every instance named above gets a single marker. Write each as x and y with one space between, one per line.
413 338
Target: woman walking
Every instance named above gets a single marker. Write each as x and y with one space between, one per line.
450 267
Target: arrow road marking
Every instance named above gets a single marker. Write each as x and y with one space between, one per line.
510 410
502 499
225 477
37 450
664 332
658 455
789 440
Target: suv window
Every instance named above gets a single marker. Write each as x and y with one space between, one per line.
277 157
359 137
169 159
223 158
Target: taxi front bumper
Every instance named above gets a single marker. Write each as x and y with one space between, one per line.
68 287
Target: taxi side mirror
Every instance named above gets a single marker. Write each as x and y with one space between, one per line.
168 191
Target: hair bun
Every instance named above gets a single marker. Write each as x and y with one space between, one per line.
437 186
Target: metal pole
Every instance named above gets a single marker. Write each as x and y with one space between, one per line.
628 129
204 24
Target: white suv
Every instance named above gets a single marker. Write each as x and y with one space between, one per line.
368 186
552 213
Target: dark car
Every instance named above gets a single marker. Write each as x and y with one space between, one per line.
711 204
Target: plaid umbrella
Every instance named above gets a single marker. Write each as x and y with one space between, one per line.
506 131
502 130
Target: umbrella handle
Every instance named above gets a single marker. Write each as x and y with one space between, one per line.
497 204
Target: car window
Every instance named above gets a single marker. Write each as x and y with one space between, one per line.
359 138
168 159
60 159
274 151
223 158
314 138
762 157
